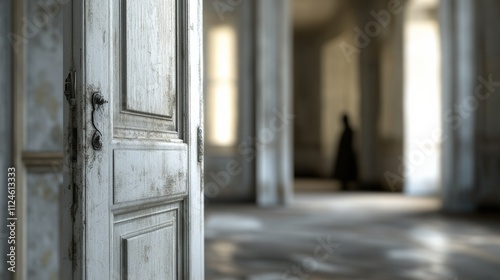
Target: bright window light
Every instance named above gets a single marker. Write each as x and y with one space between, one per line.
222 89
422 99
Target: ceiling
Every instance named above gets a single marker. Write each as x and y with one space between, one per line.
310 14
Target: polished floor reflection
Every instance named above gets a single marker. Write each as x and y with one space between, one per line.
350 236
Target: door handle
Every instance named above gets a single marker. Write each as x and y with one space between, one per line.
97 102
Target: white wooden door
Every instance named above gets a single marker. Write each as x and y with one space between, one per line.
132 202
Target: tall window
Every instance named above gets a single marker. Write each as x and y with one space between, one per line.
222 88
422 97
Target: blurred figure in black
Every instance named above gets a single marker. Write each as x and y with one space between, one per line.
346 165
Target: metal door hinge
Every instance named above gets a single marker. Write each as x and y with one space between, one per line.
201 147
70 94
70 88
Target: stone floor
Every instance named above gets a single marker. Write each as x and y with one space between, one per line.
350 236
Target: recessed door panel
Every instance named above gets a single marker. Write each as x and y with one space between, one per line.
149 33
147 174
148 244
148 69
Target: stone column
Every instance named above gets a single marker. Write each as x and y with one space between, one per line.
460 72
274 123
369 78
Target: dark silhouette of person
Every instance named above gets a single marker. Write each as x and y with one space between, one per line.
346 164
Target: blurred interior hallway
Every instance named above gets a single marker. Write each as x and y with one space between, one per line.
334 235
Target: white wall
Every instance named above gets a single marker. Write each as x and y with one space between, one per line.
339 94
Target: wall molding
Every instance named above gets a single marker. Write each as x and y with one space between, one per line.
42 159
